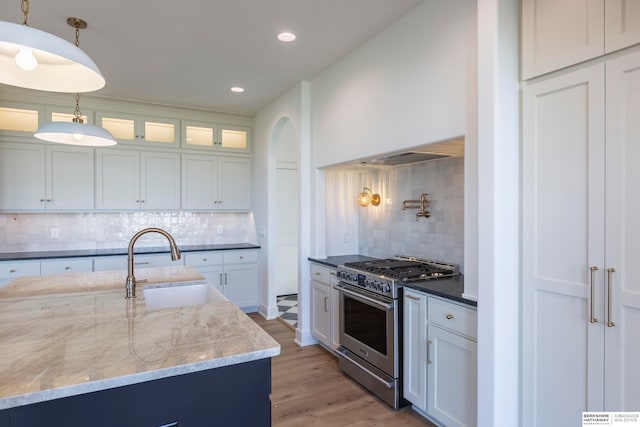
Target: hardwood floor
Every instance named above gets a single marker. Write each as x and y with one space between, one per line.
310 390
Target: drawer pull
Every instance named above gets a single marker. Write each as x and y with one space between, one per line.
318 273
12 270
67 268
241 257
449 316
412 297
204 260
142 263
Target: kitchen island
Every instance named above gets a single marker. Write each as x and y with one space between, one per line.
75 352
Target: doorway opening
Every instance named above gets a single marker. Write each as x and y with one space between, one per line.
287 220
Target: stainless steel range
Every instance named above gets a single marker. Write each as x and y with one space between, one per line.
370 319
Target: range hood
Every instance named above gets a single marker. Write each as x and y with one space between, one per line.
438 150
406 158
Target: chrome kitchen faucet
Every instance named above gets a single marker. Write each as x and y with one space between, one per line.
130 285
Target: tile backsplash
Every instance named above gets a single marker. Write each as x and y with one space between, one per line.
37 232
386 230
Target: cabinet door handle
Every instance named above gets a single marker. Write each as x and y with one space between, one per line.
318 273
221 282
225 278
429 352
592 318
449 316
142 263
13 270
610 272
326 307
67 268
412 297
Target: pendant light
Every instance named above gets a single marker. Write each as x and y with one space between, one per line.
75 132
34 59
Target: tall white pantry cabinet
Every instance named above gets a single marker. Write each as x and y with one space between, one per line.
581 242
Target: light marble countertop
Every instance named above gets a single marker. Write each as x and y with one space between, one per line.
70 334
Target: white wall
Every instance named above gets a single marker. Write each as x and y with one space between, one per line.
293 106
498 214
405 87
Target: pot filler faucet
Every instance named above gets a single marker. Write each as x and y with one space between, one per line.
130 285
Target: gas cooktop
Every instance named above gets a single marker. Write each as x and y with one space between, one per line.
385 276
405 269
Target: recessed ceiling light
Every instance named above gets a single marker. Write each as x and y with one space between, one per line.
286 37
237 89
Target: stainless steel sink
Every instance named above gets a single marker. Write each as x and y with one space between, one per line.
180 294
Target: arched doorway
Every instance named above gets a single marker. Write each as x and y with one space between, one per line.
284 220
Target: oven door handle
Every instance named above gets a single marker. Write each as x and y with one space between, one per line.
363 298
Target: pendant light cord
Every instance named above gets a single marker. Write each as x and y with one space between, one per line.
77 113
25 10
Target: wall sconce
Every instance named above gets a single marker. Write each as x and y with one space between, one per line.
367 196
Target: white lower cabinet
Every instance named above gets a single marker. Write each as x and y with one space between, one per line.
10 270
234 273
324 306
66 265
414 353
439 355
320 312
119 262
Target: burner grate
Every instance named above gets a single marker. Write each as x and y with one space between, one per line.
404 269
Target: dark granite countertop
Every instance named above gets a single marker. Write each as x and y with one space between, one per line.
449 287
335 261
78 253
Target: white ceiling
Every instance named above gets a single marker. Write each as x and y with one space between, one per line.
189 53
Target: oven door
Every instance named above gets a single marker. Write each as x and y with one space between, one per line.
368 327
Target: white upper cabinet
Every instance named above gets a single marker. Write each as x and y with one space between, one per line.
45 177
216 183
20 119
560 33
137 129
132 180
622 24
215 137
